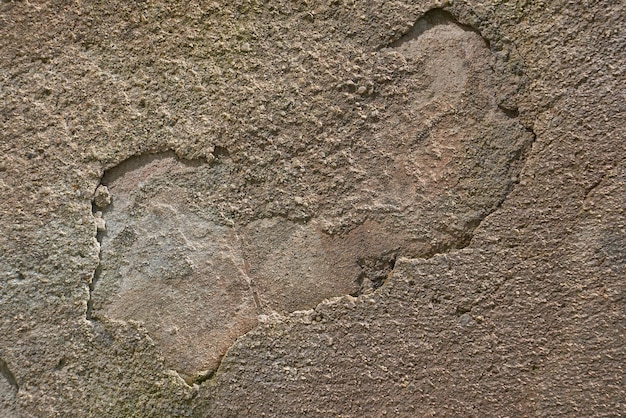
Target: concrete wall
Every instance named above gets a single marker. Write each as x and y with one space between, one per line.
327 208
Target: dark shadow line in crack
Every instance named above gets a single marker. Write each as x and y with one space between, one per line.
8 375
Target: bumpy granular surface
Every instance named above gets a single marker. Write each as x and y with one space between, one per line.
312 209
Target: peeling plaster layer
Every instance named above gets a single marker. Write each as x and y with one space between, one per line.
182 256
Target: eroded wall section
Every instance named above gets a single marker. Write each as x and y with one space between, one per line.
196 263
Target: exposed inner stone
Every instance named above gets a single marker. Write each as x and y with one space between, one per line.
198 277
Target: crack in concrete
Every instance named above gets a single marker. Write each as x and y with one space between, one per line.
94 279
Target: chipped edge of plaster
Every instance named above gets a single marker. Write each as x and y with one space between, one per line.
439 16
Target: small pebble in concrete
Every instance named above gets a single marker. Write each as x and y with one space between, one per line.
102 197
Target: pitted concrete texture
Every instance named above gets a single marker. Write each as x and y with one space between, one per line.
327 208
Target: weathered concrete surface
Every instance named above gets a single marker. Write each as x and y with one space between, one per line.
183 255
322 149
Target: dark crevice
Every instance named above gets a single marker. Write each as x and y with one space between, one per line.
512 113
61 364
97 213
374 272
8 375
94 280
98 270
220 152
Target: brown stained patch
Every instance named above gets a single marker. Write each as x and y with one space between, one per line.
196 266
180 273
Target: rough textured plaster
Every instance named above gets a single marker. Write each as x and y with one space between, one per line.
527 319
